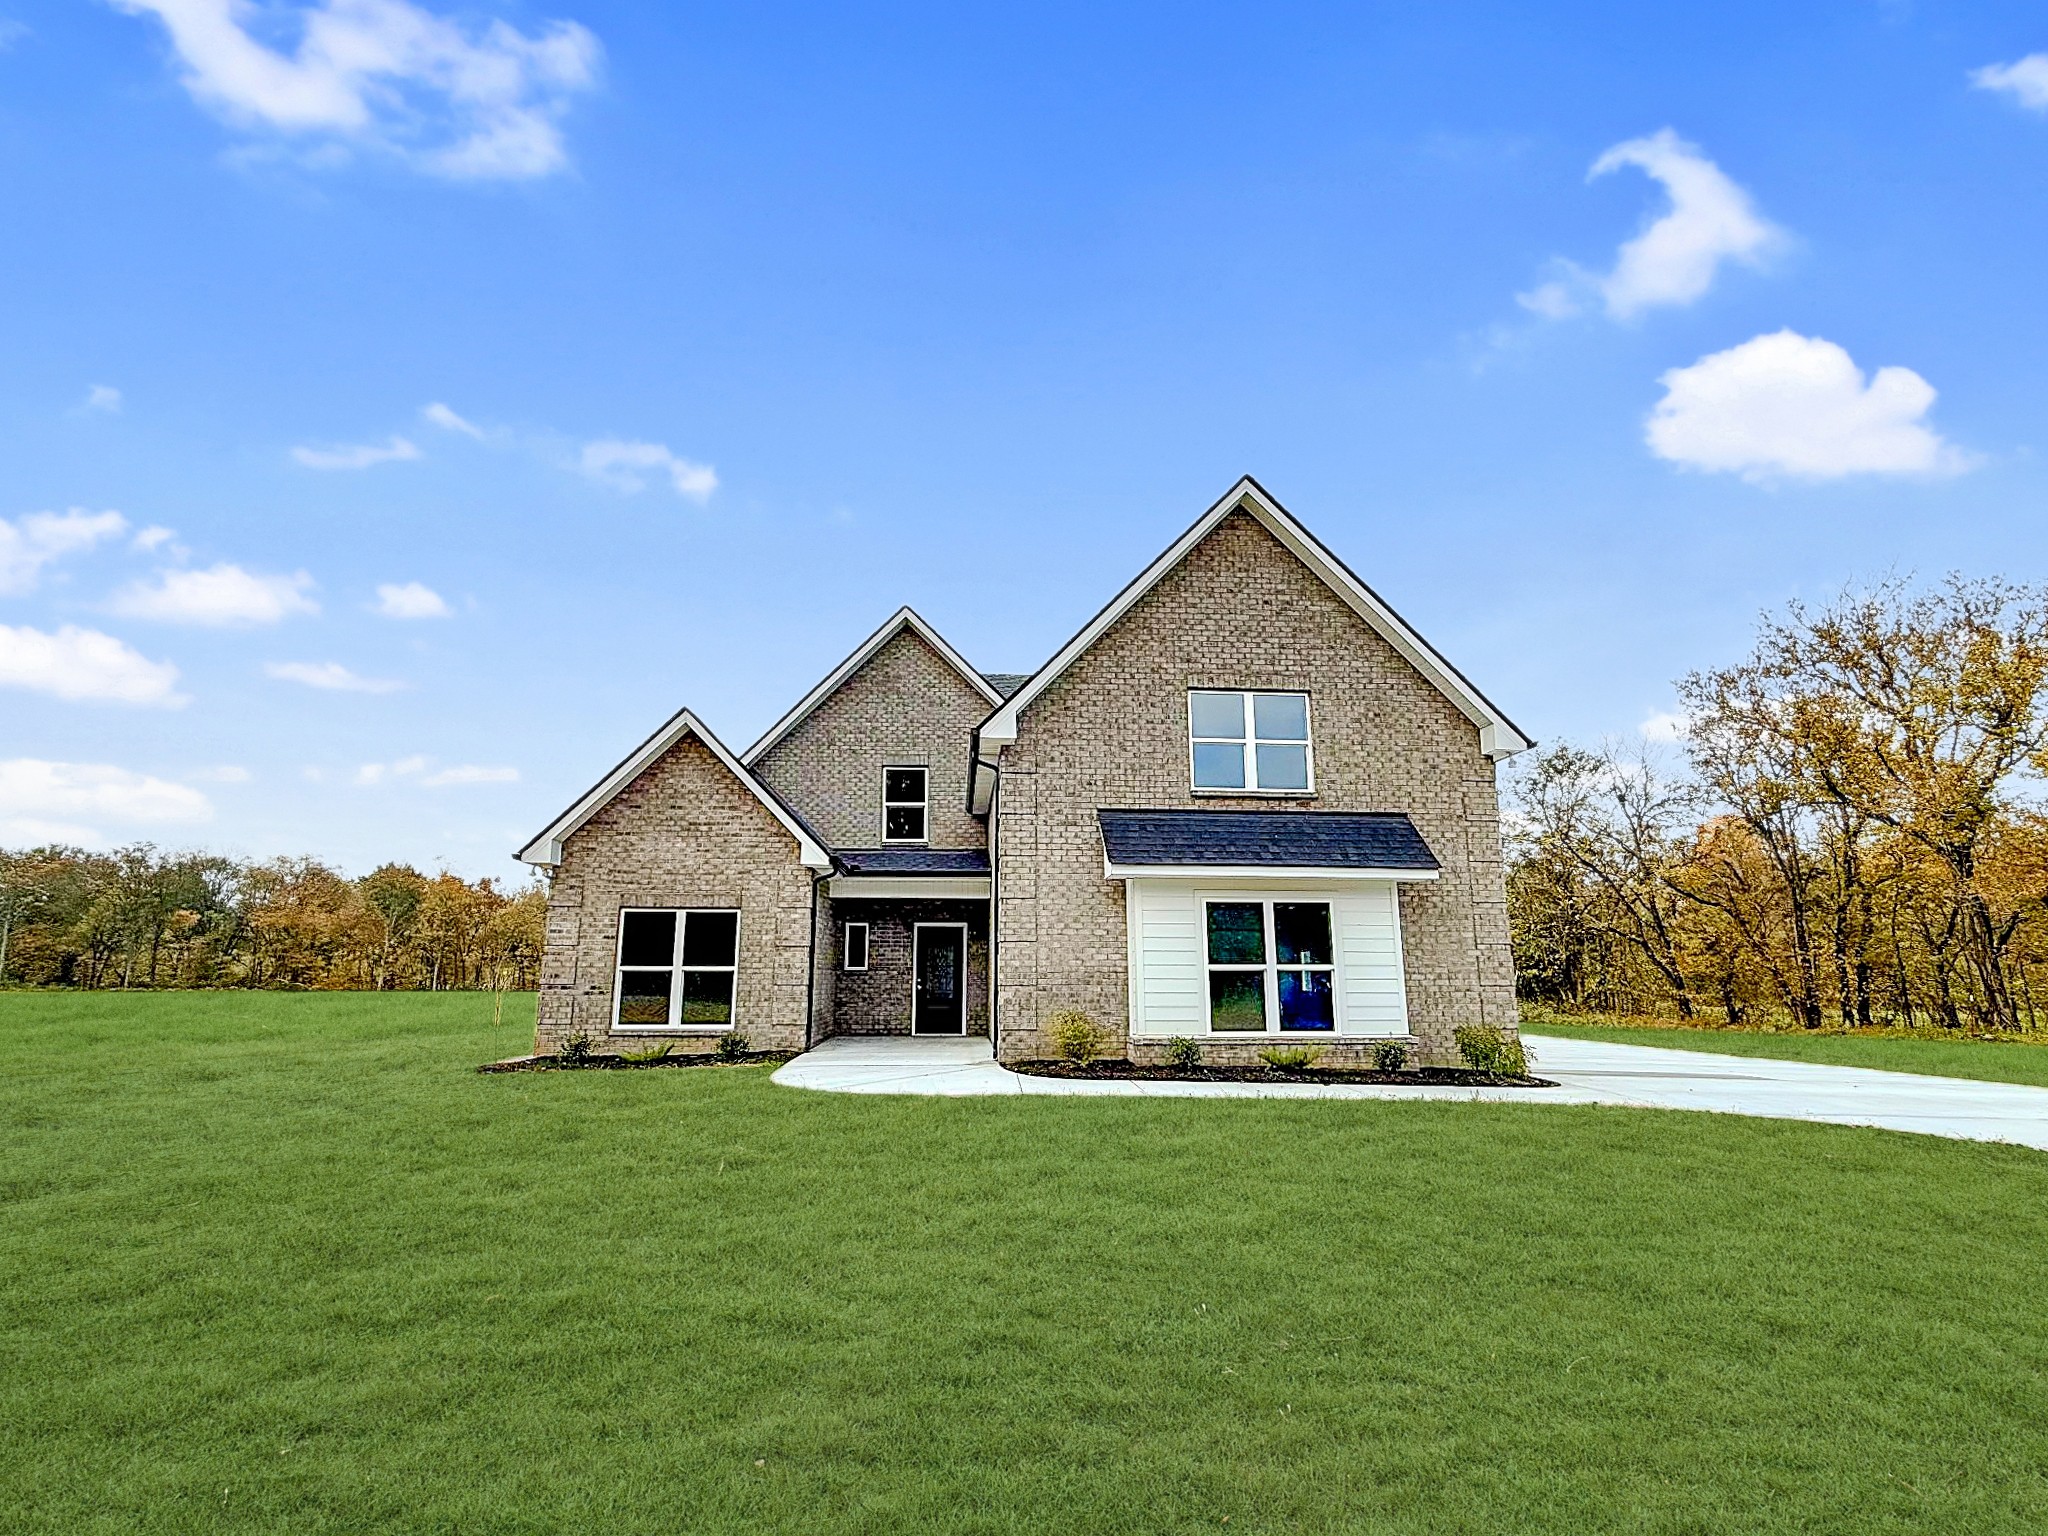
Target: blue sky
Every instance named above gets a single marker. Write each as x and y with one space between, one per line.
748 323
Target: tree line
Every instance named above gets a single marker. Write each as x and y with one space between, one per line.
1849 829
138 917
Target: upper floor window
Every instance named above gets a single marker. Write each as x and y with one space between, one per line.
905 793
1255 742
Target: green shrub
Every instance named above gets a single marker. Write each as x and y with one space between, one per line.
650 1055
1290 1058
575 1049
732 1046
1391 1055
1074 1035
1486 1049
1182 1052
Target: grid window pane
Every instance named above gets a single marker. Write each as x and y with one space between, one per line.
1219 765
1237 933
1283 767
647 938
903 784
903 824
1237 1000
1280 716
711 938
1217 714
1301 932
707 997
644 996
1307 1000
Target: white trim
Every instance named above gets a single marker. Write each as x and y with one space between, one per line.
1254 872
846 946
937 1034
675 976
901 619
1498 736
923 803
546 849
1249 743
932 887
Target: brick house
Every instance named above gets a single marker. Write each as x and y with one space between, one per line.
1245 803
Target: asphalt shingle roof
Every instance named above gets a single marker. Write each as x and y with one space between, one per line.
912 861
1006 683
1297 839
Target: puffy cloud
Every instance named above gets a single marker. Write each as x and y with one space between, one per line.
1675 258
104 398
1798 406
2024 80
35 793
462 102
445 418
357 455
153 538
31 542
625 466
330 675
79 663
219 596
410 600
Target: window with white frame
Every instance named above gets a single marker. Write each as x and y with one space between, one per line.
905 792
853 951
1252 742
677 967
1271 966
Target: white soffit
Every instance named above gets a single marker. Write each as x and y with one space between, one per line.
1498 736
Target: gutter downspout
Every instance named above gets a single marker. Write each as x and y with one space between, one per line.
811 965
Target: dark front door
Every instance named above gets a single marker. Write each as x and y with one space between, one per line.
939 988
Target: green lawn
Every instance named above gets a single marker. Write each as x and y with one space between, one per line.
285 1264
1997 1061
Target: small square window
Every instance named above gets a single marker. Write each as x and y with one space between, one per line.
905 809
1255 742
853 953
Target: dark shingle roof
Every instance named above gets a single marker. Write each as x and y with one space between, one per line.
1299 839
912 861
1006 683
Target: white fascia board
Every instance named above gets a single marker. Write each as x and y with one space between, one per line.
1237 872
901 619
934 887
1499 736
546 849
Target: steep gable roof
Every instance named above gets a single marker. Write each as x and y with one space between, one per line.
546 849
900 620
1498 736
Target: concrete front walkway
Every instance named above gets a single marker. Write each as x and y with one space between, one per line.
1587 1072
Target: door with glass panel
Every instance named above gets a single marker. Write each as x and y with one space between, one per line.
939 980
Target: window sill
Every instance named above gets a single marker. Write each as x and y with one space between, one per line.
1256 794
671 1029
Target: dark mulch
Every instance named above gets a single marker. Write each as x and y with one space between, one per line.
620 1064
1449 1077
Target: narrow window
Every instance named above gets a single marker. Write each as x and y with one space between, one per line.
903 805
1257 742
676 968
1271 967
711 952
854 952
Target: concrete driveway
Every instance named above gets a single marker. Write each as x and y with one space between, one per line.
1587 1072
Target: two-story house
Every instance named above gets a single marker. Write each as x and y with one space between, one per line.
1245 803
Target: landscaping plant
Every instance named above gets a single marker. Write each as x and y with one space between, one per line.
1182 1052
1074 1036
1290 1058
1390 1055
732 1046
1485 1049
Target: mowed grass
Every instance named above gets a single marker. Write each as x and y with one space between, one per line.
1997 1061
286 1264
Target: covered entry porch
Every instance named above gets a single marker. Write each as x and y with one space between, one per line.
909 939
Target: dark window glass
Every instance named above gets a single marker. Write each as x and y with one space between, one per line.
1237 933
856 946
711 938
904 824
1219 765
644 996
1301 932
1306 1000
1237 1000
1280 716
903 784
1282 767
647 938
707 997
1216 714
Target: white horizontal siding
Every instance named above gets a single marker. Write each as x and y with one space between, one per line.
1373 999
1169 966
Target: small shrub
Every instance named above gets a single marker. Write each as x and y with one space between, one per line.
575 1049
1182 1052
649 1056
1290 1058
1074 1035
1486 1049
732 1046
1391 1055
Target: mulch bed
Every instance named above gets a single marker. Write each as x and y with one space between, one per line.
1421 1077
620 1064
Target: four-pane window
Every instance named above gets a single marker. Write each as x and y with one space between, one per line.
1251 741
904 796
1271 967
677 968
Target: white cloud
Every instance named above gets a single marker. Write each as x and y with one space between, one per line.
1665 725
415 770
31 542
104 398
1675 258
469 773
357 455
462 102
153 537
2024 80
34 792
404 768
220 595
1790 405
330 675
445 418
79 663
624 466
410 600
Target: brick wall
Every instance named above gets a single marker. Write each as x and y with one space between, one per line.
1241 612
877 1001
686 833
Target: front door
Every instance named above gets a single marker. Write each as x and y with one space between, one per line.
938 990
